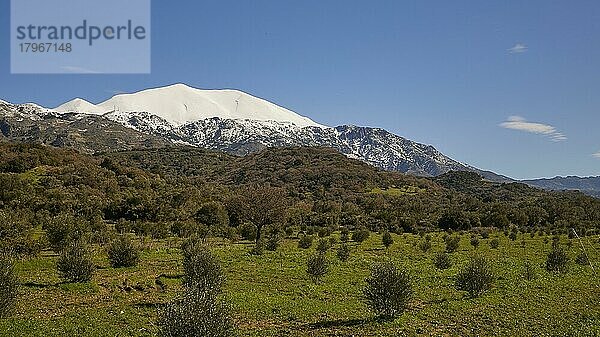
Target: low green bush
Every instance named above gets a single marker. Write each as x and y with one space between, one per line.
122 252
343 252
196 313
360 235
475 277
75 263
305 242
202 268
388 290
442 260
317 266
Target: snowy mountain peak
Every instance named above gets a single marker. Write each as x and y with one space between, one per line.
180 104
79 105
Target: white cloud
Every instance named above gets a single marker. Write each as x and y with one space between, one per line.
521 124
518 48
596 155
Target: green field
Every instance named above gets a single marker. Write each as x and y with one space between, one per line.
272 295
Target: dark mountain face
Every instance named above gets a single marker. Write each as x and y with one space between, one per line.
375 146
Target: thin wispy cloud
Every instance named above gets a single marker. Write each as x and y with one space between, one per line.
521 124
596 155
79 70
518 48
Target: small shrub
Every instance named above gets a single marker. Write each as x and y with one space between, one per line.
247 231
324 232
557 259
75 263
425 246
323 245
62 230
197 313
27 246
388 290
289 231
485 234
475 277
158 230
123 253
182 229
512 236
259 248
317 266
344 234
8 285
494 243
529 272
305 242
343 252
202 268
442 260
332 241
474 242
387 239
361 235
452 243
582 259
272 243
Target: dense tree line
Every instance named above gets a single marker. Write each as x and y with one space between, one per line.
181 191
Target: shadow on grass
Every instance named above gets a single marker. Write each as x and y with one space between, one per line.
146 305
170 277
42 285
338 323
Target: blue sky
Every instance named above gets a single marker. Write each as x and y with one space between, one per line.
509 86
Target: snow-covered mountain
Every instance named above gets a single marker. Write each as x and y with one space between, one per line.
179 104
239 123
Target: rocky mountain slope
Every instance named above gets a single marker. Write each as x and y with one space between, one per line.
84 132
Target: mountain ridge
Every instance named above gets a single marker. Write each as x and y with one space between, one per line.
245 134
588 185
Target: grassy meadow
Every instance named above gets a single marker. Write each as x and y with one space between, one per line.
272 295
